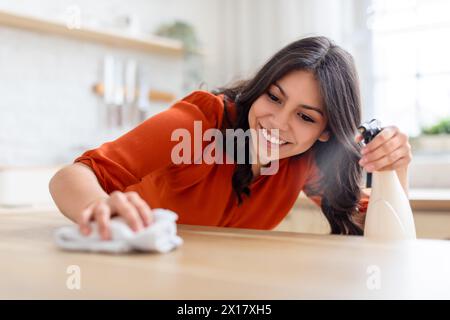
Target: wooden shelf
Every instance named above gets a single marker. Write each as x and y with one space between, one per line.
153 44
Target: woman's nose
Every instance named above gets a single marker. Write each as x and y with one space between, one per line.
280 120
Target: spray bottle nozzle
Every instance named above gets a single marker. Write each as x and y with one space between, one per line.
369 130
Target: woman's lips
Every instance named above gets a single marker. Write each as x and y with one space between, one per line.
268 143
265 134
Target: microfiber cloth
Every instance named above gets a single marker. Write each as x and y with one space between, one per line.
159 236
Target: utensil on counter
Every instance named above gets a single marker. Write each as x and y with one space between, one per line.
108 90
129 109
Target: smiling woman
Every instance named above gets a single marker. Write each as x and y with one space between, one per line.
303 103
309 91
298 122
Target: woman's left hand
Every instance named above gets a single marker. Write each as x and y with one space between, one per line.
389 150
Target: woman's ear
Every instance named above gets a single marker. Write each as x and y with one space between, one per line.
324 136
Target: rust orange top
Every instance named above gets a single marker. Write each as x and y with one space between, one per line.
200 194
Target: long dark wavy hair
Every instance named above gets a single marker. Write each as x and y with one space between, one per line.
337 159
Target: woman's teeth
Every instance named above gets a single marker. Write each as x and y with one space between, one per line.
272 139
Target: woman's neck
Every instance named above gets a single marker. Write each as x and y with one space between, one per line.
256 169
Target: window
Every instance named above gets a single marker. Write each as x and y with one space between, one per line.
411 61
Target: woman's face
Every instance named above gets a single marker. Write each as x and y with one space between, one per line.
294 106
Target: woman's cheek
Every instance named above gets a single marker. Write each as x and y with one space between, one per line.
258 110
305 139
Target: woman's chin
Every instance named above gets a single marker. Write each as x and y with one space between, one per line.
273 152
266 157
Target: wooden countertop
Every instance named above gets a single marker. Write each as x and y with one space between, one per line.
221 263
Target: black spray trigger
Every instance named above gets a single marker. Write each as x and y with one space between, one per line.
369 130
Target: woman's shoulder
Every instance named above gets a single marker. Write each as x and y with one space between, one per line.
204 105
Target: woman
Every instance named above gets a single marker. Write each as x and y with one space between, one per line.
303 103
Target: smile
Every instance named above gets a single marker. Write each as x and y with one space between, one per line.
271 138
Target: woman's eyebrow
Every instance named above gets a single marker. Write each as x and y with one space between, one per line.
318 110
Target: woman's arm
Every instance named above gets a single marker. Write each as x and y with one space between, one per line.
73 188
94 187
79 196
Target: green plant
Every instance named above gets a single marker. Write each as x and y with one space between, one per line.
182 31
442 127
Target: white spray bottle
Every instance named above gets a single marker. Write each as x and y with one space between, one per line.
389 215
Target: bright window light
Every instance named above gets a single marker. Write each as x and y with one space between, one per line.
411 61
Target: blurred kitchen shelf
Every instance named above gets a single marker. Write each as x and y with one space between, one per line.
425 199
430 199
153 44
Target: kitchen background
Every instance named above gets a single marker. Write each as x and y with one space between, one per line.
74 74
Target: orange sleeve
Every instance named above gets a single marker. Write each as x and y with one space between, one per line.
126 160
363 202
312 188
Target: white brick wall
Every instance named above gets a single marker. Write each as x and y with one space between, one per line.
48 112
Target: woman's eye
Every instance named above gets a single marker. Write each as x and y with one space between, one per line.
306 118
273 97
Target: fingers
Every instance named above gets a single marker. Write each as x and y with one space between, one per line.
142 207
402 162
126 210
84 219
383 150
387 160
130 206
102 215
385 135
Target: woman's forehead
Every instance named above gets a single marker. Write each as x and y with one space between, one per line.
301 86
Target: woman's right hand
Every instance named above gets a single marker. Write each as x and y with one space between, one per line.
128 205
